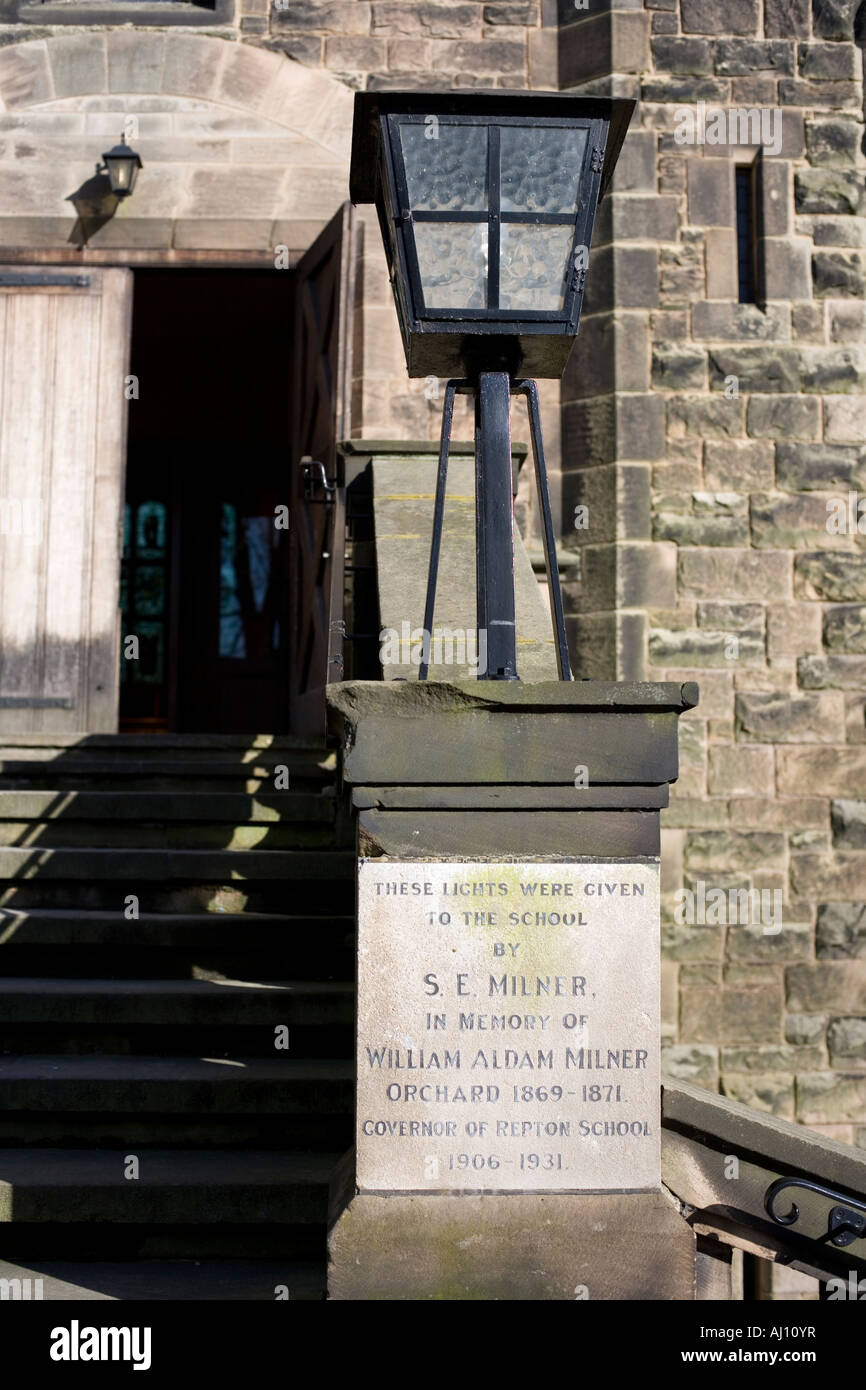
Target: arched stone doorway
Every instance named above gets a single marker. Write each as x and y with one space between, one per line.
128 330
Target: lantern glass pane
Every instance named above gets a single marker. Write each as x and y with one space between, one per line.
533 268
446 166
452 259
120 173
541 167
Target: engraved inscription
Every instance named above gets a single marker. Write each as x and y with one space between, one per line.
508 1030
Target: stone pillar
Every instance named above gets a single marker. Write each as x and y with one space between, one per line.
508 1125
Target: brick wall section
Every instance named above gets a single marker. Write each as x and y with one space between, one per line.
719 566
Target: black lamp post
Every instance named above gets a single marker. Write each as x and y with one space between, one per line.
122 165
486 203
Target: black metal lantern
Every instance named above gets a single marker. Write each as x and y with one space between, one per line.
122 165
487 203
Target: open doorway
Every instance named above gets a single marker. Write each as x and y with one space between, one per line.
205 580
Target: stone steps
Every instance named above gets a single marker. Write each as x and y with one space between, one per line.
199 1185
154 1034
147 807
174 1085
199 865
73 927
165 835
174 1017
169 1016
169 1280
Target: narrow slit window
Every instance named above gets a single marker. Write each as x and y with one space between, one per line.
747 234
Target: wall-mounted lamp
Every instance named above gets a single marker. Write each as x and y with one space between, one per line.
122 165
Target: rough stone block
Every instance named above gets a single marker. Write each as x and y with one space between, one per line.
773 1093
511 12
833 143
845 628
769 1057
846 1040
828 95
740 771
836 672
709 850
678 367
736 58
356 54
845 419
700 1015
778 718
846 321
840 933
834 19
819 467
324 16
805 1030
822 771
808 322
701 530
765 369
828 191
702 647
731 616
735 322
736 574
833 370
707 417
752 942
691 1062
445 21
735 17
787 18
830 1097
792 629
839 274
682 276
784 417
797 522
848 821
682 55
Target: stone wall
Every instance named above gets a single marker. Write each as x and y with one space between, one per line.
711 441
704 436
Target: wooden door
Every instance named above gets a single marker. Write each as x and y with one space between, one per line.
321 402
64 357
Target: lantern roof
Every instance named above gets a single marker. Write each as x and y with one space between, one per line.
493 104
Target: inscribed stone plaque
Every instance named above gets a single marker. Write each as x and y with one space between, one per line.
508 1027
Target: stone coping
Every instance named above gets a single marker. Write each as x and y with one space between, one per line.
414 699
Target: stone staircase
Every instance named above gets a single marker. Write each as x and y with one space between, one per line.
169 910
